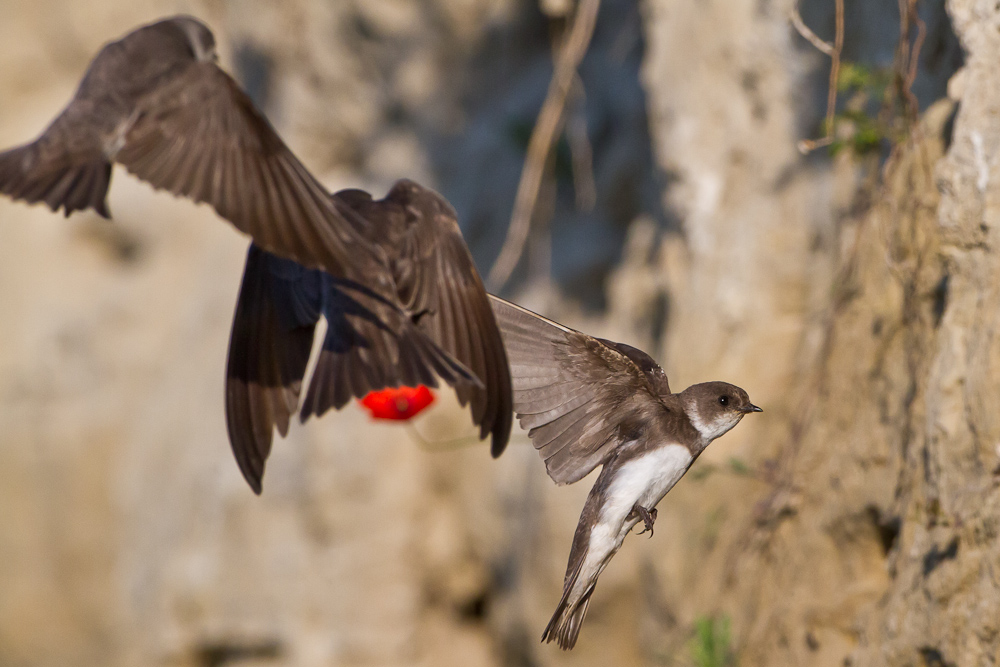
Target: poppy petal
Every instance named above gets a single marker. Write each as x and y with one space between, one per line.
398 403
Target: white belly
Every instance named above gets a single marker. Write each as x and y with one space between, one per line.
645 480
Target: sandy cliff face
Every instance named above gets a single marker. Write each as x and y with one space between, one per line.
873 538
867 536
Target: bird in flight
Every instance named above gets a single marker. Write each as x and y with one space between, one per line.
587 402
393 277
369 343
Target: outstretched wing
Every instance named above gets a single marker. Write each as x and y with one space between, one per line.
268 352
437 282
198 135
369 344
580 397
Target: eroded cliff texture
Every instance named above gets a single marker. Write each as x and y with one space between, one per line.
862 318
869 534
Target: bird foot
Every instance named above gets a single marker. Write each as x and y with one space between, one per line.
648 518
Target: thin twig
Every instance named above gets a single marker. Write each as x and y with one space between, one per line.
809 35
905 67
542 137
807 145
911 60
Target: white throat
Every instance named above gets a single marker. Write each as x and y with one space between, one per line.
710 429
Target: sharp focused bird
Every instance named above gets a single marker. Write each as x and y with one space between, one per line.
589 402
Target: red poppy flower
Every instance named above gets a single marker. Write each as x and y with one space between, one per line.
398 402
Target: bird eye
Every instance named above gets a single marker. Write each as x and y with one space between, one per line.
723 400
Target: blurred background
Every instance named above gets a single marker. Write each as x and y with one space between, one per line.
852 291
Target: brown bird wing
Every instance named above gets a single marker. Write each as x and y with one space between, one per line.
437 282
198 135
69 165
267 361
580 397
369 344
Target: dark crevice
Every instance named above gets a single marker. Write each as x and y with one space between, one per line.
475 609
227 653
941 298
948 129
936 555
887 528
933 657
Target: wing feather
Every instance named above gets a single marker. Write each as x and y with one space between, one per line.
572 391
199 122
267 360
437 283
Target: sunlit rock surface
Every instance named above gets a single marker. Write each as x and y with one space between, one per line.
866 533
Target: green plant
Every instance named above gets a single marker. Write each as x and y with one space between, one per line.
858 127
734 466
710 646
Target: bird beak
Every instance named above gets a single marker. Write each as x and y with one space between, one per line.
752 408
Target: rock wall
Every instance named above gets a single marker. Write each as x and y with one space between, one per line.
865 532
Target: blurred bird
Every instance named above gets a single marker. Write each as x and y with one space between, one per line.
393 276
588 402
370 343
156 102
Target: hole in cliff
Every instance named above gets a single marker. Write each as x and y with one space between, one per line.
226 653
474 610
936 555
932 657
877 326
948 129
887 528
122 245
941 298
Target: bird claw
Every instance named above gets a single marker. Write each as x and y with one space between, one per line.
648 518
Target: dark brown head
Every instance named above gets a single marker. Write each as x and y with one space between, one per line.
715 407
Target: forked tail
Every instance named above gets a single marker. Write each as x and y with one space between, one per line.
28 175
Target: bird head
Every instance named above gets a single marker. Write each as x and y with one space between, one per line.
716 407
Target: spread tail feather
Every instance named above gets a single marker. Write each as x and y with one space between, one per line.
564 627
27 176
